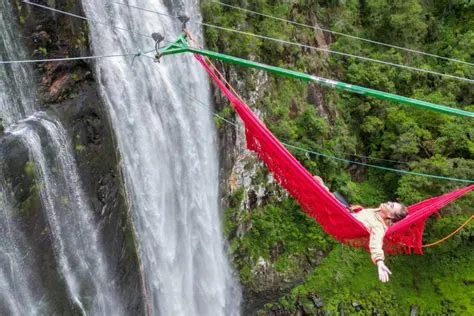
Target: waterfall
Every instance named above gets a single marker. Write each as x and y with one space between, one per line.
75 242
75 278
17 273
169 160
15 102
16 296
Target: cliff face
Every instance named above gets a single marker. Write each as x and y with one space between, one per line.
68 91
286 263
273 268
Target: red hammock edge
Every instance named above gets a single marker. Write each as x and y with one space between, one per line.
404 236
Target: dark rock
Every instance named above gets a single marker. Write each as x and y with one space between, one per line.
315 95
357 306
340 308
278 311
300 308
252 198
59 80
293 111
254 301
318 302
41 38
30 219
86 121
70 93
314 258
57 87
277 250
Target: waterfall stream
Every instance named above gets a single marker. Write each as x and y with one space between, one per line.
15 102
76 247
15 290
169 160
16 297
77 273
170 166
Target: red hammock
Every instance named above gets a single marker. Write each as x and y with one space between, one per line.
316 201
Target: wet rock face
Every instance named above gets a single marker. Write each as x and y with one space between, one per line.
86 120
59 81
69 92
244 173
18 177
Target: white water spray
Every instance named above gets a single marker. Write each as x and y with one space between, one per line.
169 159
76 245
82 269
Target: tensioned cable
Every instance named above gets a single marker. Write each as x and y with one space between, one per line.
203 105
207 108
237 94
361 163
380 167
305 46
71 58
342 34
336 52
85 18
146 10
288 145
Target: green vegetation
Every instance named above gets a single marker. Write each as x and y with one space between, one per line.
81 39
342 124
80 148
42 51
33 197
30 168
294 244
21 12
433 282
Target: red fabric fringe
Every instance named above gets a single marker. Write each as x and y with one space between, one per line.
404 236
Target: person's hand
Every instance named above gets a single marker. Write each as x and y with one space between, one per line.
384 272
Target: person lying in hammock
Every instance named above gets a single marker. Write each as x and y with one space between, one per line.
376 221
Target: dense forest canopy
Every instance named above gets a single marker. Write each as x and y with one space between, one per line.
362 129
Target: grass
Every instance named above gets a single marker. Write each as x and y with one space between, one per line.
437 283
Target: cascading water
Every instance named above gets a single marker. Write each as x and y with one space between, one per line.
15 290
32 283
15 103
169 159
76 246
16 296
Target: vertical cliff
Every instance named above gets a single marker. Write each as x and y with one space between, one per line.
286 263
67 91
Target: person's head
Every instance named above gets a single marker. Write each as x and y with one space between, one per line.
393 211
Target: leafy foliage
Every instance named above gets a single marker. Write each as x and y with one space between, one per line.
356 127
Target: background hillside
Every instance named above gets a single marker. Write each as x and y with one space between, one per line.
285 261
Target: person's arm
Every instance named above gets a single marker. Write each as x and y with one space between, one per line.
376 244
376 252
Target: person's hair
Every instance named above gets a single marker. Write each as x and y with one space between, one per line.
399 213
